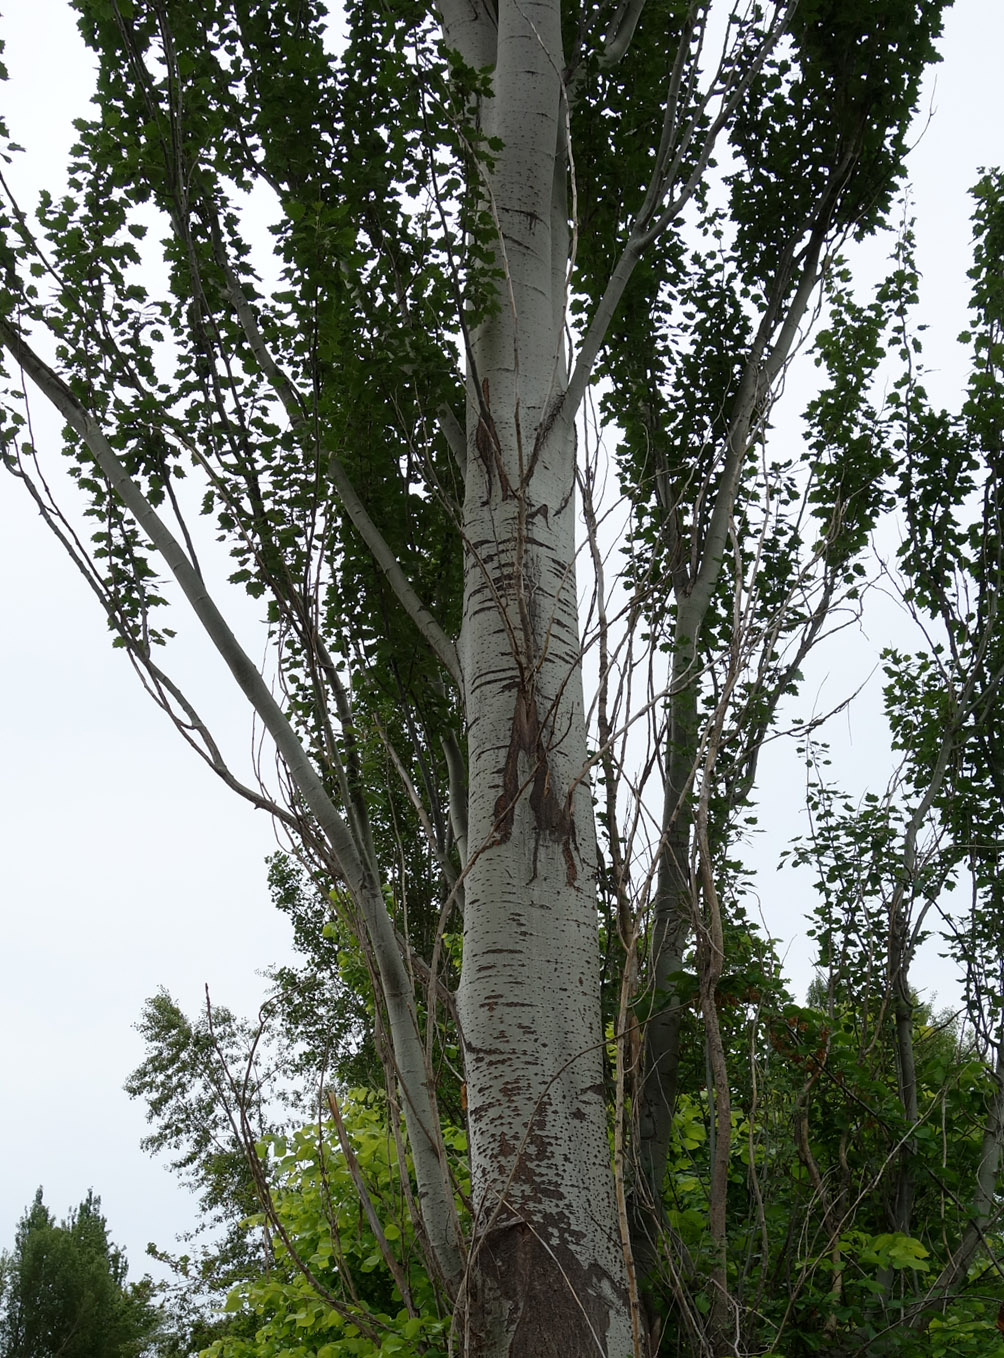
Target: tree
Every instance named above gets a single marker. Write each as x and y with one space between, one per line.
340 1277
65 1290
479 214
186 1084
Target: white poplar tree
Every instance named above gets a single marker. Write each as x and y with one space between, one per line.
480 211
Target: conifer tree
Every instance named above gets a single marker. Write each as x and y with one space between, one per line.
65 1293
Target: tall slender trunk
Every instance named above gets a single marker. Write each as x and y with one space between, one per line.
906 1069
547 1273
672 930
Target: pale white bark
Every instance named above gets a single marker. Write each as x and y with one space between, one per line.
548 1272
469 28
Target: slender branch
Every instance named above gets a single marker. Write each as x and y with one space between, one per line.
194 589
430 629
362 1192
644 231
158 685
385 559
621 32
453 433
394 980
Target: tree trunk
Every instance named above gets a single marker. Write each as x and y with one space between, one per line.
547 1272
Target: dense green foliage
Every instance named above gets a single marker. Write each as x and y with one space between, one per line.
810 1243
63 1290
342 1281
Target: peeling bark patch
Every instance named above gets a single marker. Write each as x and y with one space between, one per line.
551 815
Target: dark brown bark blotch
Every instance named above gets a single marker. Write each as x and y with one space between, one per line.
551 815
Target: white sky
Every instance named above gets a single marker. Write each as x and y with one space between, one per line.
125 865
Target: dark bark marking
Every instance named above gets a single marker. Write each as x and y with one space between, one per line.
551 815
486 441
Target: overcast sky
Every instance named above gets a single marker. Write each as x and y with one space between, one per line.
124 864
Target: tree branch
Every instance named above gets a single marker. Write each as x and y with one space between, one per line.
621 32
646 227
423 1125
441 645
